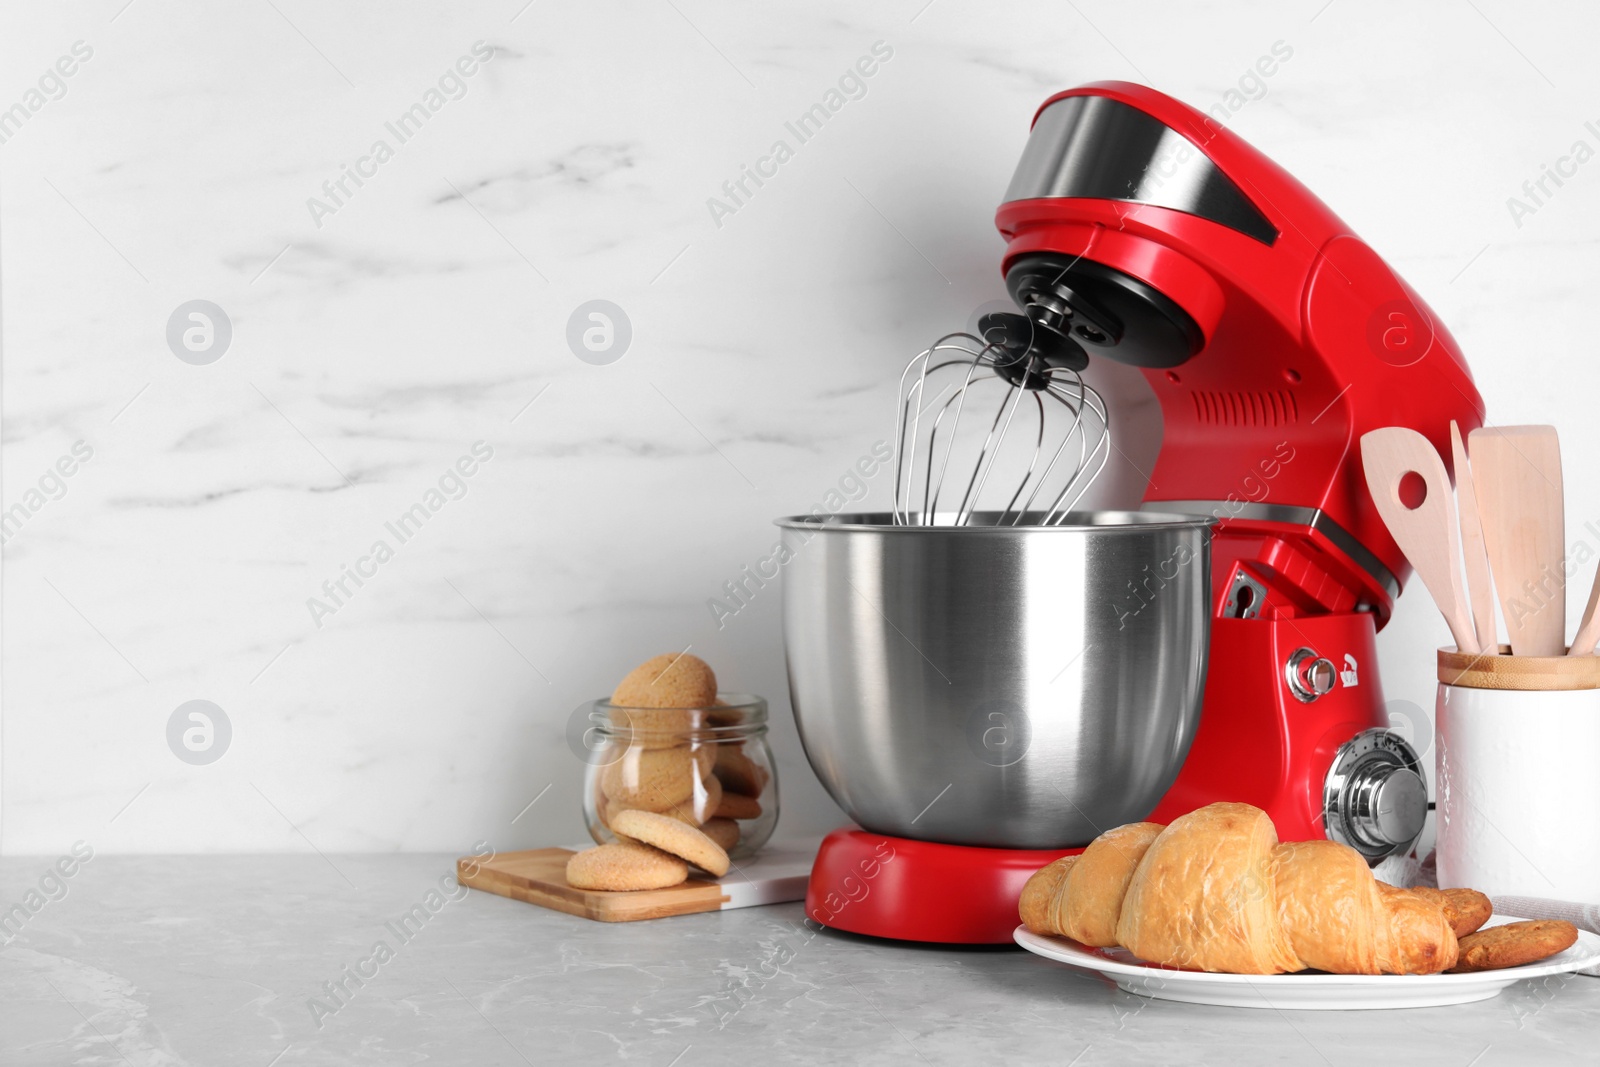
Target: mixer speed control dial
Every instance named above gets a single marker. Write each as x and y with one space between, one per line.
1390 805
1374 798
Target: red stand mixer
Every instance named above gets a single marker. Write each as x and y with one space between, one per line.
1140 231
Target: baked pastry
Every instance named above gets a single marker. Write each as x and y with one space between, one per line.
651 727
670 835
1464 909
1088 908
723 714
654 706
724 832
674 680
698 808
623 867
738 806
1515 944
1216 891
738 772
1040 897
1200 897
655 779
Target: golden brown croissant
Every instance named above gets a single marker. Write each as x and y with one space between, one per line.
1216 891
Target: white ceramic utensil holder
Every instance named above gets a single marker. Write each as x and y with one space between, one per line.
1517 769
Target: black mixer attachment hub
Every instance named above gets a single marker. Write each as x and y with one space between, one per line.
1102 311
1024 352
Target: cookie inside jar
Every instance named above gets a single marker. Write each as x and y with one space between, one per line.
672 745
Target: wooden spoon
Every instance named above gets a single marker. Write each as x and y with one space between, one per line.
1480 591
1426 530
1516 473
1589 628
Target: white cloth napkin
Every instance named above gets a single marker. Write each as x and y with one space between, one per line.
1404 871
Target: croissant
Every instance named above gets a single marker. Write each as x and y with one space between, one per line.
1216 891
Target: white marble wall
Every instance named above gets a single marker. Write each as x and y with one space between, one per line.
376 339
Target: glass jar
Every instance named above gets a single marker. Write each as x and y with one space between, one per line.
709 767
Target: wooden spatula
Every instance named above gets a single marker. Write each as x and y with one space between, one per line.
1425 529
1516 473
1480 591
1589 627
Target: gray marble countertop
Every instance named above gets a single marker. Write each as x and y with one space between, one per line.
227 960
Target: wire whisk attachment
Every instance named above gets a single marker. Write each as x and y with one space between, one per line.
994 429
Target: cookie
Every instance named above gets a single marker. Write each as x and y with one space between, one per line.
675 680
1464 909
725 832
652 727
738 772
738 806
1514 944
655 779
1467 910
624 867
723 714
701 806
695 810
623 838
670 835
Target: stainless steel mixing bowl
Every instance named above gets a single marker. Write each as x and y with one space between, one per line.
1004 686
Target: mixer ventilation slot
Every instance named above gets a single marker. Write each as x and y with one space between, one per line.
1275 407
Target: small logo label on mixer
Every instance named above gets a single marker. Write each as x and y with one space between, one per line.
1348 677
998 732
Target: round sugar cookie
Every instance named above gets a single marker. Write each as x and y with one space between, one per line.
1467 910
651 727
738 806
739 773
1514 944
697 809
1464 909
725 832
670 835
624 867
654 779
674 680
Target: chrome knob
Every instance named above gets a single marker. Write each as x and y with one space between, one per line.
1389 805
1309 675
1374 797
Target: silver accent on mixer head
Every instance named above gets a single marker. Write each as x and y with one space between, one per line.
1071 434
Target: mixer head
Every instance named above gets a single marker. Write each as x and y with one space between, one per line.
1143 232
1000 426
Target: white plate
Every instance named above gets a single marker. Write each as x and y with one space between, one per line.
1308 991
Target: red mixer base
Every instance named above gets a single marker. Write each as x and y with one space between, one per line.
895 887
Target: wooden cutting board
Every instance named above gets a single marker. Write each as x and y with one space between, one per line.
539 876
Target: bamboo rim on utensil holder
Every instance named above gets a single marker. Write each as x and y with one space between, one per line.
1479 670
